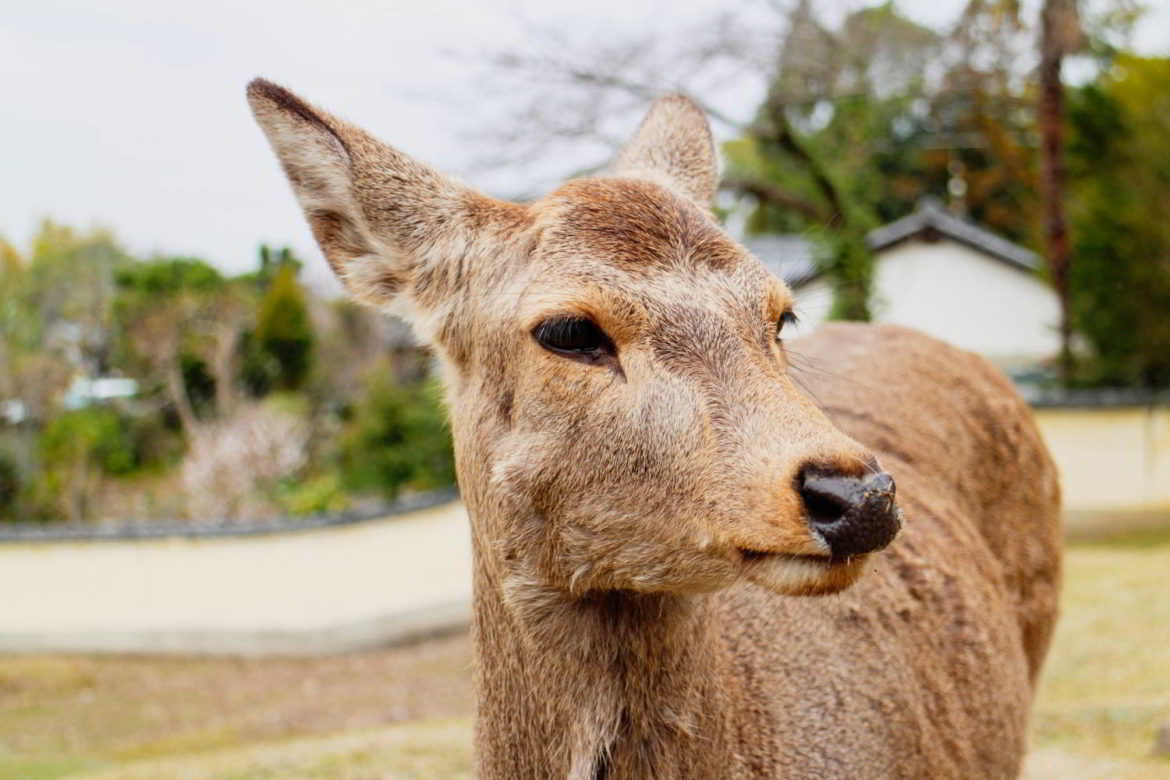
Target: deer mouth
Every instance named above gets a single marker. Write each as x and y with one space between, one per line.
796 574
753 556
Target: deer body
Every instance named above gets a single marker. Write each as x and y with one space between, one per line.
924 668
677 566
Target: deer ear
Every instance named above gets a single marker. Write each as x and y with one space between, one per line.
378 215
673 147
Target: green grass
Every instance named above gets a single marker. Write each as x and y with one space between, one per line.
44 767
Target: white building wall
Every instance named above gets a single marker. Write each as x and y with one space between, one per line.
959 295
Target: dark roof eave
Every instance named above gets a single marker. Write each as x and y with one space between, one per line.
931 216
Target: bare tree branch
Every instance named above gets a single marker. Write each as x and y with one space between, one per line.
769 193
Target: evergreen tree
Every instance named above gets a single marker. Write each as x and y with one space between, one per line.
284 333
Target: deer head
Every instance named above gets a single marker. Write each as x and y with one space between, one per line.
621 402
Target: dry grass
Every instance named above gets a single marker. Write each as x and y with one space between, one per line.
426 750
405 713
60 715
1106 685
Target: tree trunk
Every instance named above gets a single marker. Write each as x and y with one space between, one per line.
177 390
1057 34
224 367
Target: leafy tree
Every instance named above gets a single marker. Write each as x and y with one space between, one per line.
1119 165
166 308
184 323
816 129
168 276
56 313
71 284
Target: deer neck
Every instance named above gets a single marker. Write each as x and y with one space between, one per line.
600 685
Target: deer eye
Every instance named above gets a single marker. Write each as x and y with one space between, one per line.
787 318
574 337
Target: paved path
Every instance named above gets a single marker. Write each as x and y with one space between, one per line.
299 593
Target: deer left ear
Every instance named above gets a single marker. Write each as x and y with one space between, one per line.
382 218
673 147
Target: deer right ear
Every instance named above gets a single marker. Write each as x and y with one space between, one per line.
673 147
378 215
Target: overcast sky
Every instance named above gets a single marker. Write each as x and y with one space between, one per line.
130 113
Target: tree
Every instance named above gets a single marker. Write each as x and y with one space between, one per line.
807 157
1060 35
56 313
166 307
1119 172
284 332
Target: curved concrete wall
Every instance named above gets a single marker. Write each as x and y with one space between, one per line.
1110 459
297 593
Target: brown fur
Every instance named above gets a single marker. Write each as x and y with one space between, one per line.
643 563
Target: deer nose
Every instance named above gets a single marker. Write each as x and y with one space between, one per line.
853 515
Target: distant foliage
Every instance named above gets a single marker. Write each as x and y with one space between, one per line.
95 435
79 449
322 494
9 485
398 438
234 414
863 119
168 276
284 333
1119 159
235 467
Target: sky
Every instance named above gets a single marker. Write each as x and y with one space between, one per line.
130 114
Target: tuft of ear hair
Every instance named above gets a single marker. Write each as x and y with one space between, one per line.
673 147
378 215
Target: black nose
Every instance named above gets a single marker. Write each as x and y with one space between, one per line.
854 515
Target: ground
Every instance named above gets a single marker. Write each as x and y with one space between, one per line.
405 712
1106 684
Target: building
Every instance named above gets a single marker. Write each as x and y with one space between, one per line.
940 274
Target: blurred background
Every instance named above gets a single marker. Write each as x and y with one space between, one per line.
230 544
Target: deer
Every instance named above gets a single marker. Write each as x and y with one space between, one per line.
690 560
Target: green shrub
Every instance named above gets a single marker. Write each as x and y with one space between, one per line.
321 494
153 443
9 485
78 450
95 435
397 438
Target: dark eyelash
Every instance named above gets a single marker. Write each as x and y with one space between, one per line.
787 318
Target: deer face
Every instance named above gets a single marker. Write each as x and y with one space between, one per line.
619 392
